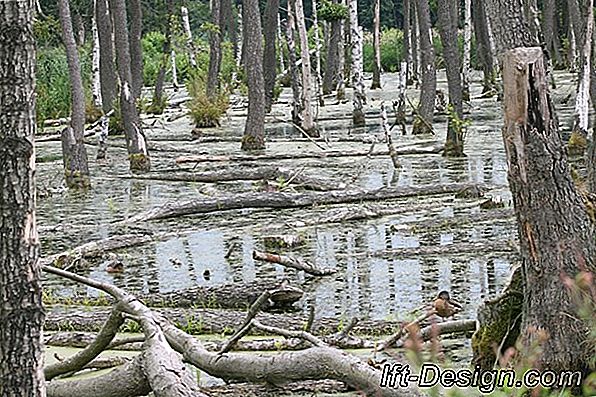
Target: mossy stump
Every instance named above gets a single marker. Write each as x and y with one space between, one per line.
420 127
252 142
139 162
358 118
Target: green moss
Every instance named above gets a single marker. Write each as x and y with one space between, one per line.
420 127
251 142
139 162
577 144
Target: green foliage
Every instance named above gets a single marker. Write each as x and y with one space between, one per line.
332 11
209 27
47 32
391 50
205 111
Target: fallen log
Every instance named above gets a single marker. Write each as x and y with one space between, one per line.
307 388
295 263
287 200
208 321
483 247
448 327
403 150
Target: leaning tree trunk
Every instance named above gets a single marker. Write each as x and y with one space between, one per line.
447 12
214 50
424 117
189 40
359 99
270 21
294 72
135 139
136 49
76 170
579 134
107 69
483 41
332 58
465 72
21 311
158 103
557 238
254 130
376 80
308 123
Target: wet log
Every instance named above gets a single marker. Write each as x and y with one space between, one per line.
404 150
208 321
293 262
298 178
287 200
306 388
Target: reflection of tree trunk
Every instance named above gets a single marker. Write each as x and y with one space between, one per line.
107 69
424 117
254 130
214 50
357 66
308 123
376 81
21 312
270 21
556 236
76 170
135 139
447 12
136 50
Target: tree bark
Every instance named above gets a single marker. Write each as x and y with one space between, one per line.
308 123
341 62
447 12
214 50
76 170
407 54
96 87
21 311
317 40
270 22
359 98
136 48
483 41
107 68
294 71
549 26
376 80
254 130
135 139
189 41
465 74
424 117
332 59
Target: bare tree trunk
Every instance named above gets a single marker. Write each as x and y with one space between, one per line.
578 141
174 69
215 50
556 236
447 12
136 48
158 101
135 139
308 123
376 80
424 117
341 63
96 87
189 41
21 311
270 22
317 39
407 34
254 130
467 49
359 99
294 72
415 33
76 170
78 28
483 41
107 68
549 31
332 59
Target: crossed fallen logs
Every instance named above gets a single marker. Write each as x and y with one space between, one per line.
160 367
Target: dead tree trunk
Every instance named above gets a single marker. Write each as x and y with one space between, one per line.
96 85
254 130
415 41
76 170
294 71
556 235
376 81
407 54
214 50
317 39
483 41
465 74
447 12
583 29
332 59
308 123
189 41
107 68
341 62
21 312
359 99
135 139
270 22
424 117
136 49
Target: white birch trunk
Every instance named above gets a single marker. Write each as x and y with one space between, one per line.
341 64
280 52
582 100
174 71
357 65
319 80
388 139
189 42
96 84
572 49
240 45
307 117
467 49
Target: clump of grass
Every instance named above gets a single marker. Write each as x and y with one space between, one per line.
205 111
